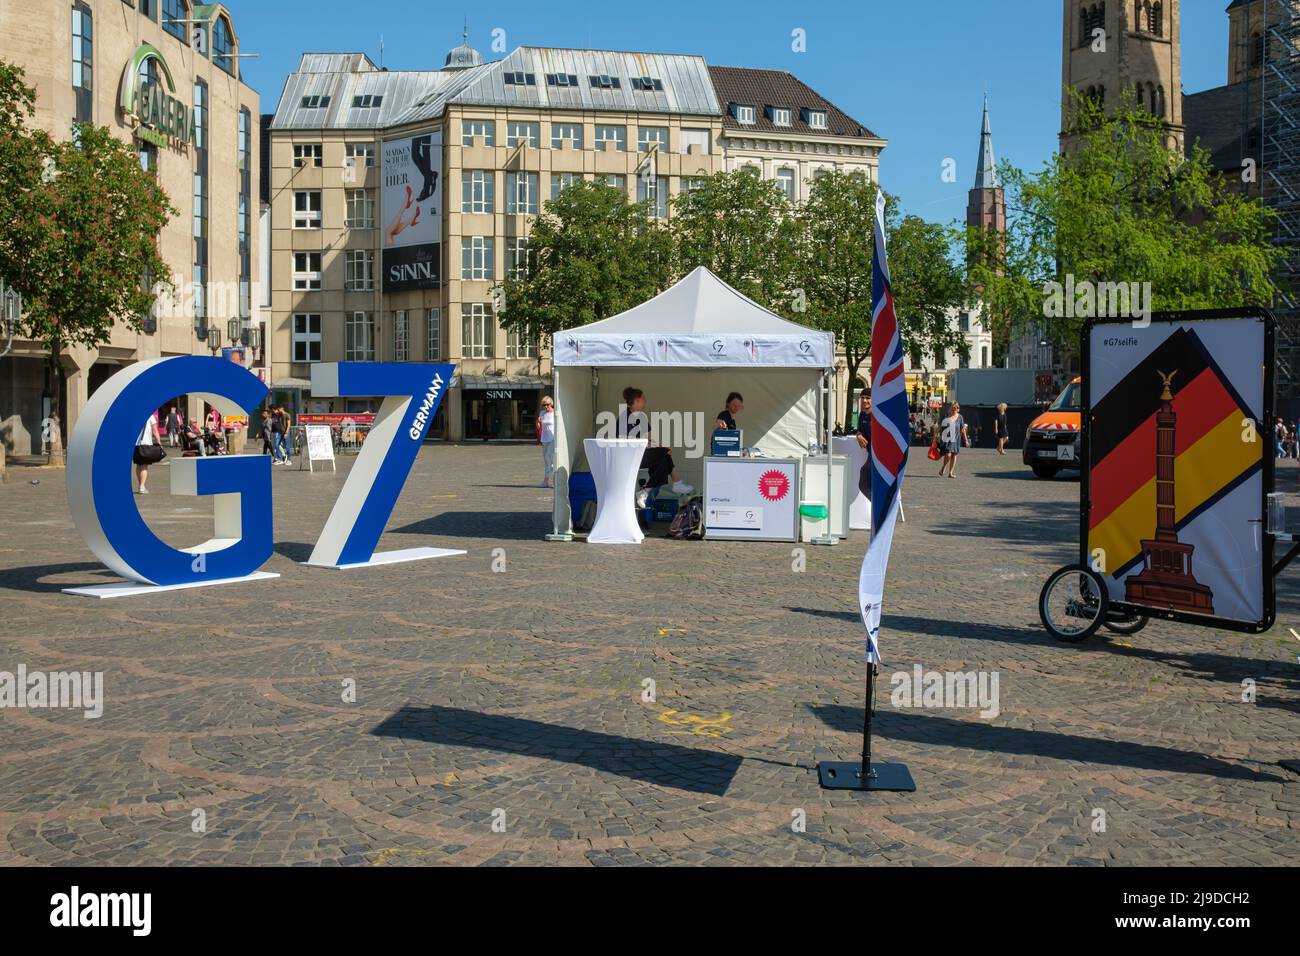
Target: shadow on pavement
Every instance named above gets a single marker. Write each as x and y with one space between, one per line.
511 525
945 731
937 628
295 551
29 578
661 764
1051 523
1064 477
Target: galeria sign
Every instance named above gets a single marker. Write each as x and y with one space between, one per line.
99 467
163 118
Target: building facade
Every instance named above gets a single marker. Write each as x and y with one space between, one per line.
399 201
785 131
164 76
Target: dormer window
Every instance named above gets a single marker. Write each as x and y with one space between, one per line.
605 82
561 79
520 78
816 119
315 102
743 114
367 101
647 84
780 116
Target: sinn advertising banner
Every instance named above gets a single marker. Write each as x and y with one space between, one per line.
412 212
1179 457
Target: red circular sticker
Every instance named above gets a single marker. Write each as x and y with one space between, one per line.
773 485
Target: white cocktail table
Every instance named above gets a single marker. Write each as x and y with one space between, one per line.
614 465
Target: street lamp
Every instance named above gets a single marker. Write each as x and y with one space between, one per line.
214 339
233 330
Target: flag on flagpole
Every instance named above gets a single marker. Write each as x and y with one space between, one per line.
889 436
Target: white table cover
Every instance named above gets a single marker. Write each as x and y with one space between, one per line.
614 465
859 504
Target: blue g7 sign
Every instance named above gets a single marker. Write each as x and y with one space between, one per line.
99 468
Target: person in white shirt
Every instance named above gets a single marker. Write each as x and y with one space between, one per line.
147 448
546 435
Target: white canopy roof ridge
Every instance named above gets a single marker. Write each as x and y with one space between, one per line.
700 321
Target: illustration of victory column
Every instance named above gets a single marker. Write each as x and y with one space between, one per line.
1166 580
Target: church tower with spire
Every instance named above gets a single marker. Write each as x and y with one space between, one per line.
986 208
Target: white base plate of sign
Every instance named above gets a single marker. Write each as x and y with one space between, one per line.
394 557
135 589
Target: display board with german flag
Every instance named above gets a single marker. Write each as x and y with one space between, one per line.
1179 461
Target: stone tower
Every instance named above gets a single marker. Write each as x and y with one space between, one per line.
1110 47
1245 40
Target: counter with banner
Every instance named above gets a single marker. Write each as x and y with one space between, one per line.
753 499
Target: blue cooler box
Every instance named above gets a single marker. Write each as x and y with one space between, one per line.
582 488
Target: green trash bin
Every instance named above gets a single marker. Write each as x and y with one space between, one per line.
812 518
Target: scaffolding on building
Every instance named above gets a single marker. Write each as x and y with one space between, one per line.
1280 126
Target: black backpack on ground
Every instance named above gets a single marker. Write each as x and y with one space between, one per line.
688 524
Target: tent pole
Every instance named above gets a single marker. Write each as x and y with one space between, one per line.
829 537
561 486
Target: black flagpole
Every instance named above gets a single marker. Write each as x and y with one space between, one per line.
864 775
866 722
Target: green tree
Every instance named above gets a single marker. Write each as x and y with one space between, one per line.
592 254
1121 206
835 271
742 229
80 244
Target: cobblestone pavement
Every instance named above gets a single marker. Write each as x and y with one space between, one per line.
515 698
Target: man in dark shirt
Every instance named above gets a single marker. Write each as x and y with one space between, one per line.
864 441
727 417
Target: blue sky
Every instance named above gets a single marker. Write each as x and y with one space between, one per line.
913 71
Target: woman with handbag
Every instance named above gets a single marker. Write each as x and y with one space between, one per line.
148 451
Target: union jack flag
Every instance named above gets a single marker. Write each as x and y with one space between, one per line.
889 435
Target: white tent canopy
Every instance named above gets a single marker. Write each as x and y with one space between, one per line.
699 322
687 348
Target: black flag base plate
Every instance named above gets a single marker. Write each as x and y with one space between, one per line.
836 775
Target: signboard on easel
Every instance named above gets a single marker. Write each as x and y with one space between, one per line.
320 446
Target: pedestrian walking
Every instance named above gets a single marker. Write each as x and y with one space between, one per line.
148 451
952 435
280 448
546 435
173 427
266 431
1000 428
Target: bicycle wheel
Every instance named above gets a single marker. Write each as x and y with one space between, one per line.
1073 603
